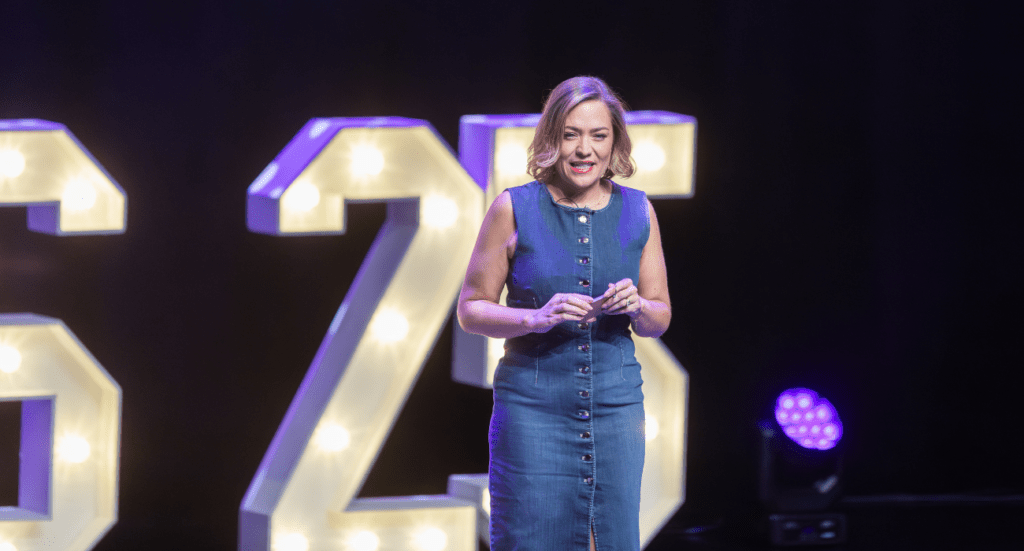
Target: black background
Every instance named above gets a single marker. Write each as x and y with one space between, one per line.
854 228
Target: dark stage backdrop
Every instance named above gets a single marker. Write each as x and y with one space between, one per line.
854 228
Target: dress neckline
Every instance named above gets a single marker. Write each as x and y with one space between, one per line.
611 196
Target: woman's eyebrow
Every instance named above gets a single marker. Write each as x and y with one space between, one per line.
573 128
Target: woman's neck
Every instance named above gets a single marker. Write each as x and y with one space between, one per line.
593 197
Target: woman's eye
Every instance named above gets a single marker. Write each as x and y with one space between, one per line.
600 136
568 136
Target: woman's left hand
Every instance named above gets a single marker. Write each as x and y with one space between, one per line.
622 298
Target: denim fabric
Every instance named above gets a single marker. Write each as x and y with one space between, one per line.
567 429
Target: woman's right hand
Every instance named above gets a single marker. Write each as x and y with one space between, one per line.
561 307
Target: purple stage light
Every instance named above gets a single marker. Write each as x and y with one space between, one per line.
808 419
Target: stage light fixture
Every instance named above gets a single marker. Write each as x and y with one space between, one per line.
808 419
800 470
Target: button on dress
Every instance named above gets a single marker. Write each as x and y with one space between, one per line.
567 429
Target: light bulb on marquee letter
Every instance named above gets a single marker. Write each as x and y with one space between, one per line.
390 326
12 164
333 438
430 539
363 540
73 449
366 161
10 359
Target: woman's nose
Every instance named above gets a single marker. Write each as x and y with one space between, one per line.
583 148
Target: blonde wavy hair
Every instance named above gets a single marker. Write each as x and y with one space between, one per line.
547 139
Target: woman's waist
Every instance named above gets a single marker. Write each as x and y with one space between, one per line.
570 337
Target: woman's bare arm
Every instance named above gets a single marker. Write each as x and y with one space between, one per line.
479 311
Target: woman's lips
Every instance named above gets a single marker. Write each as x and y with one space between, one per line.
581 167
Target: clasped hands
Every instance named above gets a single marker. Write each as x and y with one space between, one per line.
620 298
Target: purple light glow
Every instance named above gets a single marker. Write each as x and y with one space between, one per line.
801 412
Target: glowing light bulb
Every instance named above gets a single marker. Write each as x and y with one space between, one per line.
301 196
510 160
788 402
649 156
651 428
78 195
333 438
12 164
73 449
487 501
291 542
363 540
803 401
366 161
439 212
430 539
390 326
10 360
7 546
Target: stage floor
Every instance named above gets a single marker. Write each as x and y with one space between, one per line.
993 524
893 524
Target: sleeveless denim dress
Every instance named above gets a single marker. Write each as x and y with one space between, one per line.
567 429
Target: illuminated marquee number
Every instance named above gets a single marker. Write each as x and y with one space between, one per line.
493 150
302 495
71 407
398 303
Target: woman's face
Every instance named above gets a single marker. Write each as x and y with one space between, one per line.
586 148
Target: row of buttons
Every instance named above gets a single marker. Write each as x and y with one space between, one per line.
585 347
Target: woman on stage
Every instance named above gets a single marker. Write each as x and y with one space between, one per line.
582 259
